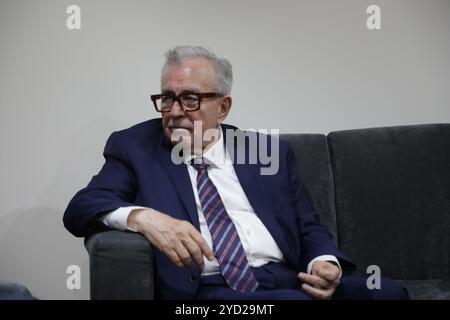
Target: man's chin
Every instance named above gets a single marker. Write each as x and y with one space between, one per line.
179 135
180 130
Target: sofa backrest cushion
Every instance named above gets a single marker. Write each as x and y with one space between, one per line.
314 167
392 189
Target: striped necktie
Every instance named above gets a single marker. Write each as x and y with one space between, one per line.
227 245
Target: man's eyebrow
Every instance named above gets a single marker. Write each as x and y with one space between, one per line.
190 91
182 92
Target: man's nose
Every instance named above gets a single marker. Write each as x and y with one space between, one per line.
176 110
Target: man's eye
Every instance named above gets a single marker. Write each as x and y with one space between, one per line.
166 100
190 98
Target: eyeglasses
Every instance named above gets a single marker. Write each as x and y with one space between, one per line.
188 101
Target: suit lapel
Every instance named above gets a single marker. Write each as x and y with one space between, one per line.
249 178
180 179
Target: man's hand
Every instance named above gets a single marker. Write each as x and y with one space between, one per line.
323 280
178 239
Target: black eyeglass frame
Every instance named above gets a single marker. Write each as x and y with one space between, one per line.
199 95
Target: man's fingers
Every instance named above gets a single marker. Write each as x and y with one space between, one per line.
206 250
175 250
313 280
317 293
172 254
184 255
330 273
179 240
330 276
194 250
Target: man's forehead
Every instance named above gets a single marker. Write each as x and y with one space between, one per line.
191 67
190 73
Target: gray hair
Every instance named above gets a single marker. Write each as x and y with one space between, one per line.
224 71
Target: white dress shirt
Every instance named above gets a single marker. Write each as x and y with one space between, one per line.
259 245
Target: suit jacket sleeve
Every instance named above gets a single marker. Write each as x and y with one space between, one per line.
315 239
113 187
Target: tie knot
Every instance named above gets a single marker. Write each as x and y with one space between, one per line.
199 164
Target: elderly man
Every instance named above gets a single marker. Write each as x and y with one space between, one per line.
221 228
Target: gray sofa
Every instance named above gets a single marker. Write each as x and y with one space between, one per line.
383 193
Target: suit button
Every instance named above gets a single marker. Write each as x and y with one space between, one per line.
193 277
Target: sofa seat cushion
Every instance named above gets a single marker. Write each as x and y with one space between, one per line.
436 289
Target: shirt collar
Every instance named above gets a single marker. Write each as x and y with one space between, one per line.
215 155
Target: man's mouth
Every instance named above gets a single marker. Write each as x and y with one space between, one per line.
172 128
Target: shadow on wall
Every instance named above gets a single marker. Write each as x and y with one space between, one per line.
35 248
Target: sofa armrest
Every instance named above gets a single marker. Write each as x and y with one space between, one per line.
121 265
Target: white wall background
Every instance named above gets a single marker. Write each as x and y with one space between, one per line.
300 66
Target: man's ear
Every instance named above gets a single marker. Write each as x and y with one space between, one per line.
224 108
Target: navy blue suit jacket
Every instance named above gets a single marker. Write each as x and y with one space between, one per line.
138 171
